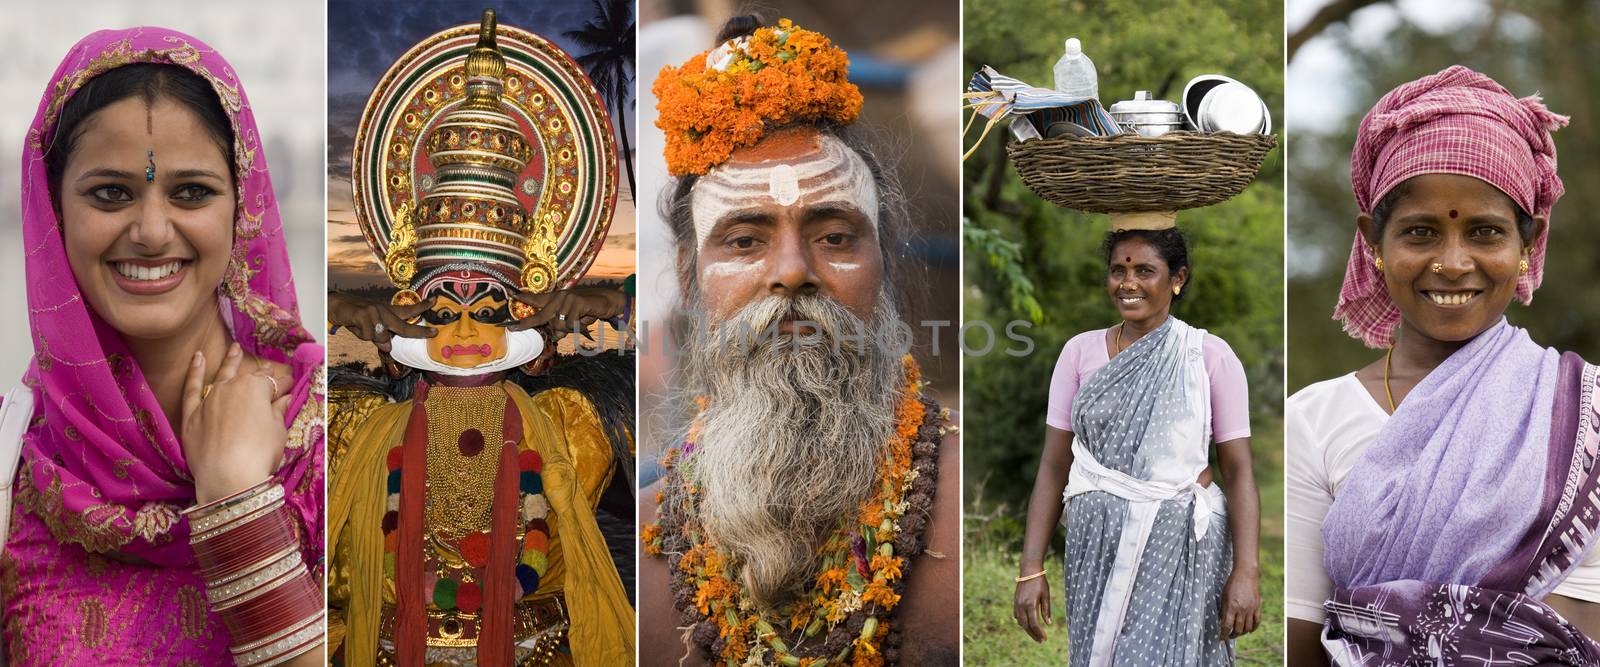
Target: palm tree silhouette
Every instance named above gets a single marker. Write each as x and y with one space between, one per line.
609 37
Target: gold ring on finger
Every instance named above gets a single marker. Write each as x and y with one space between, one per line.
205 391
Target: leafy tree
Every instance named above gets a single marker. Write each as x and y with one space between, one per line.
609 37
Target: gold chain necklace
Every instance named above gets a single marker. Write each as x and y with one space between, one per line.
1124 323
1386 393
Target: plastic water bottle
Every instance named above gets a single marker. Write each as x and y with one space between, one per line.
1075 72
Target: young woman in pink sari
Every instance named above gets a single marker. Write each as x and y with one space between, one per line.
167 506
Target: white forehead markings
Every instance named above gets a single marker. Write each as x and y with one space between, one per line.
783 185
724 269
833 173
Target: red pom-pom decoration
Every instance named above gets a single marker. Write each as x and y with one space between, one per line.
469 597
529 461
475 549
471 442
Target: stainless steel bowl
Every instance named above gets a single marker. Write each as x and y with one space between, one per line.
1067 128
1216 103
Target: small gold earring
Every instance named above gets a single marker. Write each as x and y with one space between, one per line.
1378 262
1522 267
1177 289
1436 268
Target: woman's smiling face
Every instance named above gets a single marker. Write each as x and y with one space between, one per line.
147 253
1140 281
1452 253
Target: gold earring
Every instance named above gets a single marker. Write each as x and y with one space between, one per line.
1378 262
1436 268
1177 289
1522 267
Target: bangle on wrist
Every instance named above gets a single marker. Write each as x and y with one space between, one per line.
1030 577
247 547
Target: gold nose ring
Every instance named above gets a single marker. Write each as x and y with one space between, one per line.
1437 267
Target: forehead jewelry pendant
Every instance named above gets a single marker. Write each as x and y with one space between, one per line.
150 171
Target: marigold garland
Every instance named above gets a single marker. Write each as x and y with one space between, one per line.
844 618
726 98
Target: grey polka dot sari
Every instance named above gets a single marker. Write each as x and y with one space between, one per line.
1147 549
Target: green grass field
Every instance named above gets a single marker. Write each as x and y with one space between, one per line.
991 637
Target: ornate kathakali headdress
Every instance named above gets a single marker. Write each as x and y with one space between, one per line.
728 97
484 151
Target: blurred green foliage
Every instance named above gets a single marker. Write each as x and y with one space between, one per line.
1528 47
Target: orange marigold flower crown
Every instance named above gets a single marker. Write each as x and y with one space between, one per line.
725 98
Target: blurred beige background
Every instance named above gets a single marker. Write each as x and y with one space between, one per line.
280 54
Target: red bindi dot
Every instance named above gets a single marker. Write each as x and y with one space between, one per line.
1453 213
1127 259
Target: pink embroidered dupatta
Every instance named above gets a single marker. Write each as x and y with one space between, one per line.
102 469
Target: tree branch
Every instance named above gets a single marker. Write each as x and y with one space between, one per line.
1337 11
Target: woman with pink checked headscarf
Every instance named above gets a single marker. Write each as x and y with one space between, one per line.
1443 501
167 504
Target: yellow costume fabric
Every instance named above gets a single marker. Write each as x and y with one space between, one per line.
566 431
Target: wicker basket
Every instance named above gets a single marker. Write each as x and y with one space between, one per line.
1133 174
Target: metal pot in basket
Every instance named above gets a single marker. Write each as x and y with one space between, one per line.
1147 117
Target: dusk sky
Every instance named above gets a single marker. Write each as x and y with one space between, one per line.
364 39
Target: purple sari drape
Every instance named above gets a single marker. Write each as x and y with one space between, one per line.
98 568
1477 498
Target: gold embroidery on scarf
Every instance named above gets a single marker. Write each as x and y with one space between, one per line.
92 623
195 612
96 565
308 423
42 356
154 520
147 428
95 528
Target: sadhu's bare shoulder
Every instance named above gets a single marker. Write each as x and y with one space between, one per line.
660 641
929 617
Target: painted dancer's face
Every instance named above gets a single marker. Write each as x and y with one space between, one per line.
794 214
470 334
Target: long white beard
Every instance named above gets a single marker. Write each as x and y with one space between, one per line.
790 442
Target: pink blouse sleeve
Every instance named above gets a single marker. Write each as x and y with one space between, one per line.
1230 392
1064 386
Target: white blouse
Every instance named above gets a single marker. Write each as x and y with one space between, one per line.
1327 427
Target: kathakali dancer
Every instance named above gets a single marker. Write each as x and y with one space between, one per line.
809 513
1443 501
462 522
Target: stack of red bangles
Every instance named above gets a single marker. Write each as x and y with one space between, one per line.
255 578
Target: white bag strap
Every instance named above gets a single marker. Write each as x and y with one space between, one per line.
15 413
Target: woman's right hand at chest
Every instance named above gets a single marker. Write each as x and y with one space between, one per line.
233 431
